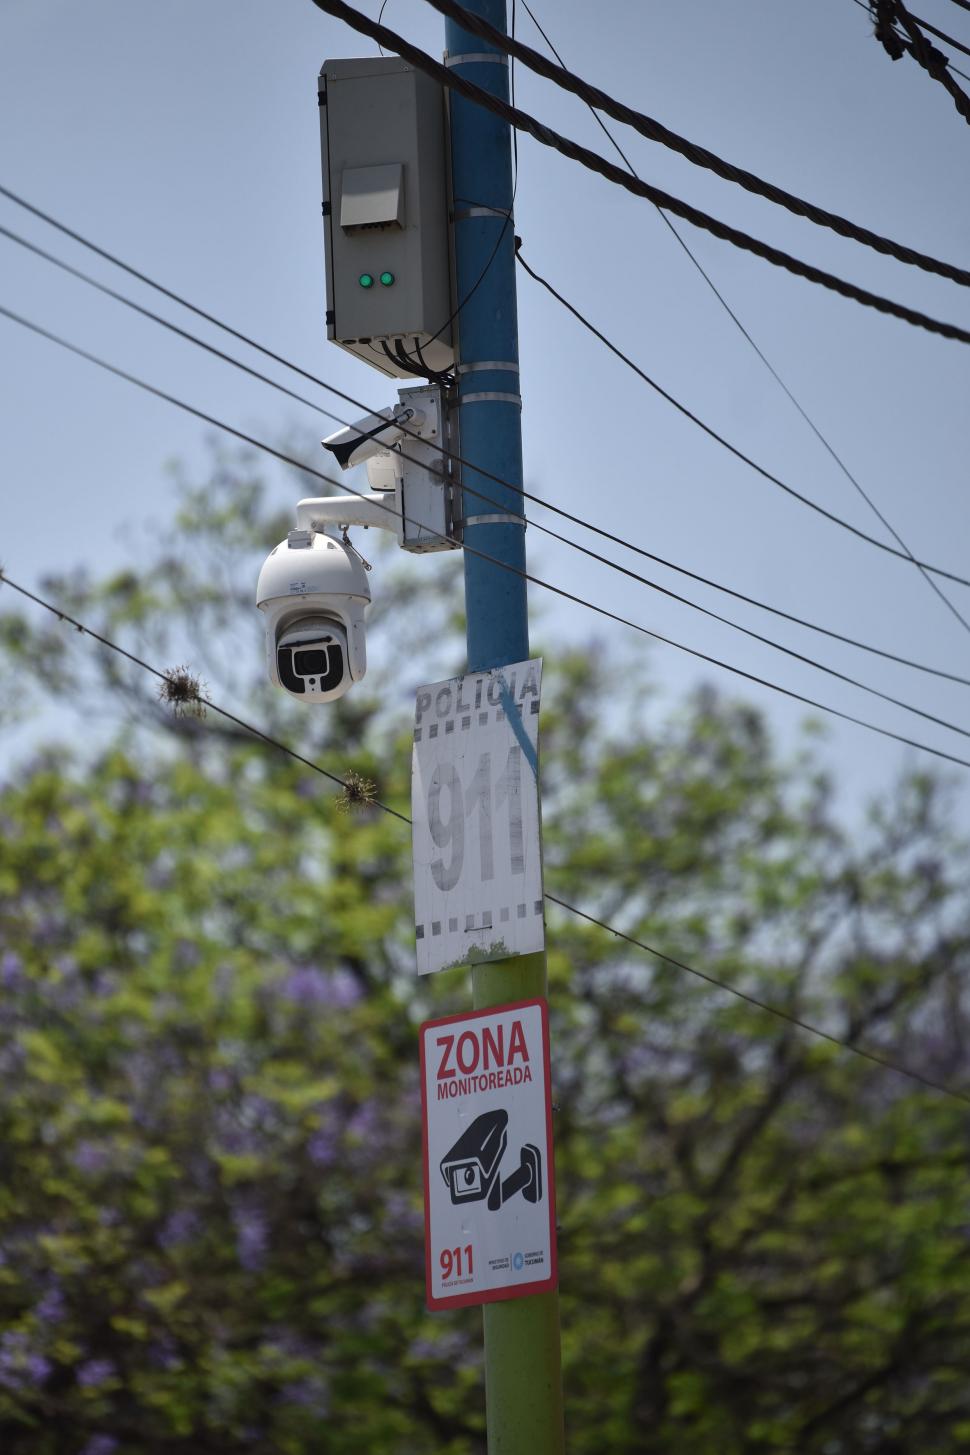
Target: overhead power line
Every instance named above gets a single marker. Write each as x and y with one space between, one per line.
887 14
368 408
594 162
904 43
575 520
832 452
655 131
733 449
560 591
775 1010
767 1007
940 34
235 333
199 696
556 535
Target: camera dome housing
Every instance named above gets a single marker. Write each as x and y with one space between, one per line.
313 593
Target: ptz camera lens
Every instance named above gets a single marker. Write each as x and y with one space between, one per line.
310 664
320 666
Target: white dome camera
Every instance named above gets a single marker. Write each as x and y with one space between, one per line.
313 594
313 589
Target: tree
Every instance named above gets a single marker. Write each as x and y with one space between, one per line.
210 1218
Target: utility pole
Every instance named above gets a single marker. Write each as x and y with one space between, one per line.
523 1365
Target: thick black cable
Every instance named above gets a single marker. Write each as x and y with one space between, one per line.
595 163
488 500
577 520
505 225
940 34
655 131
934 63
708 430
886 14
904 43
933 585
482 555
712 980
487 474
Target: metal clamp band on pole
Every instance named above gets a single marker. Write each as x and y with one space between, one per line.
494 520
494 58
483 212
490 396
488 366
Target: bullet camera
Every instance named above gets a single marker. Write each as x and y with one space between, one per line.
372 434
313 594
472 1168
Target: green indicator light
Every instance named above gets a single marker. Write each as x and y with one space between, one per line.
366 280
387 279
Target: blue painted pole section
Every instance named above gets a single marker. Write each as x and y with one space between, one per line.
491 434
523 1359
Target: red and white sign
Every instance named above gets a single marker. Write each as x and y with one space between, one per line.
489 1194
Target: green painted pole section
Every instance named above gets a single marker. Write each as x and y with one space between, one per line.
523 1361
523 1358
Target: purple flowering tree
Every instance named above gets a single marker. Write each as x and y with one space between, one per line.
210 1197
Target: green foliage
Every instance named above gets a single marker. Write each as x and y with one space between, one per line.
210 1201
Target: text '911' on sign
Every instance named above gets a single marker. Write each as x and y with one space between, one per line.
475 810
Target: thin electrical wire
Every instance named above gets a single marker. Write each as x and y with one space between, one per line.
708 430
556 535
166 323
503 233
200 697
700 156
380 17
763 1005
508 222
593 162
933 585
487 474
482 555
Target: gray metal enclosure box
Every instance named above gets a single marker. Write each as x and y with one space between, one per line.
385 208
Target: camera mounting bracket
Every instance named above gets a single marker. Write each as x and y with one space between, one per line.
329 513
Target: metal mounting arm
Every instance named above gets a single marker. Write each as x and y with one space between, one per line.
378 509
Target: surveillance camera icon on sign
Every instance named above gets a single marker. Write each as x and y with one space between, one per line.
472 1168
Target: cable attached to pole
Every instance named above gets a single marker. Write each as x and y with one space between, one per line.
348 785
526 576
655 131
934 586
594 162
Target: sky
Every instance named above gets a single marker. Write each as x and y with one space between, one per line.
184 138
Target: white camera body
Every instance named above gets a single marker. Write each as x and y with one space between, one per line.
313 593
313 590
357 443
